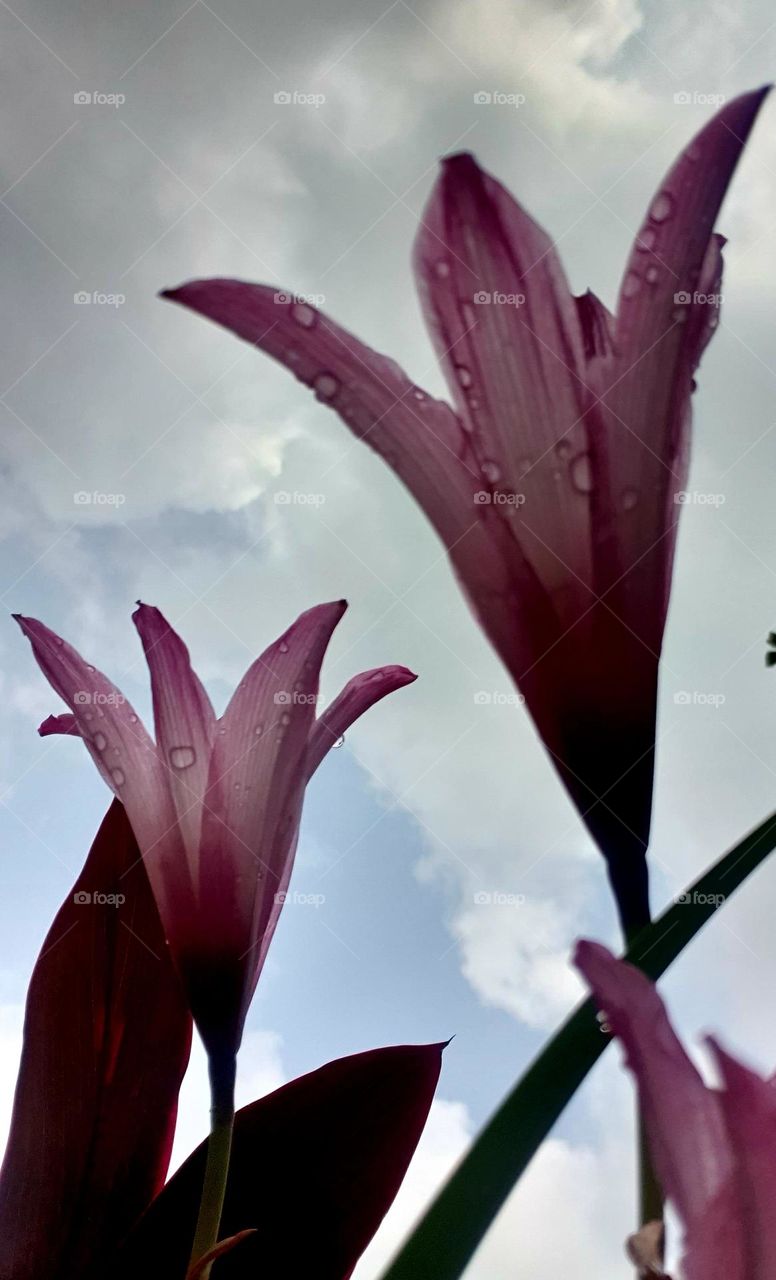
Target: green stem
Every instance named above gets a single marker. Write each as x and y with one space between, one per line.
222 1076
651 1198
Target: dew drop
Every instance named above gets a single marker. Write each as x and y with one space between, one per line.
582 473
631 285
283 647
133 719
59 640
693 152
118 777
285 718
100 741
679 315
491 471
340 742
259 730
442 268
182 757
651 274
563 448
629 499
662 207
464 375
647 240
326 386
304 315
418 394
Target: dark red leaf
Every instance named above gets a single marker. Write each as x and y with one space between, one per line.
106 1043
315 1166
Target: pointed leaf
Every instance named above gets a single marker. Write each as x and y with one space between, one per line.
106 1043
314 1168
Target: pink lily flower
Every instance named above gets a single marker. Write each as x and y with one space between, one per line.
714 1150
553 480
215 804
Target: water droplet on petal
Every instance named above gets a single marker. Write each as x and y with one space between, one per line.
304 315
651 274
464 375
133 719
563 448
326 386
662 207
283 647
285 718
629 499
100 741
259 730
582 473
118 777
491 471
442 268
679 315
182 757
418 394
59 640
340 742
631 285
693 152
647 240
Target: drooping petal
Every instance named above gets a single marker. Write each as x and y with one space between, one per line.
359 694
507 333
127 759
314 1168
184 718
684 1120
64 724
667 307
106 1042
250 819
749 1108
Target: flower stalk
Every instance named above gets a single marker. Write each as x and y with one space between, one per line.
222 1077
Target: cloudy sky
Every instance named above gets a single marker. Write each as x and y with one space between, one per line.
149 454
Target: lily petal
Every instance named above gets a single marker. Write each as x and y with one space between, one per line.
359 694
749 1106
684 1119
251 818
507 334
185 721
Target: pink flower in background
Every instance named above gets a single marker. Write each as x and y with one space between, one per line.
214 804
714 1150
555 481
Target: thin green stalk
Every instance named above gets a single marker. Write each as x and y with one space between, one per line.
453 1227
222 1076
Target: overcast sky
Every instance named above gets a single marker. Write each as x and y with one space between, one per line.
149 454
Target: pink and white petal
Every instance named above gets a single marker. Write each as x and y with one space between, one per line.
64 724
663 323
184 718
258 769
359 694
686 1130
507 332
749 1108
127 759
